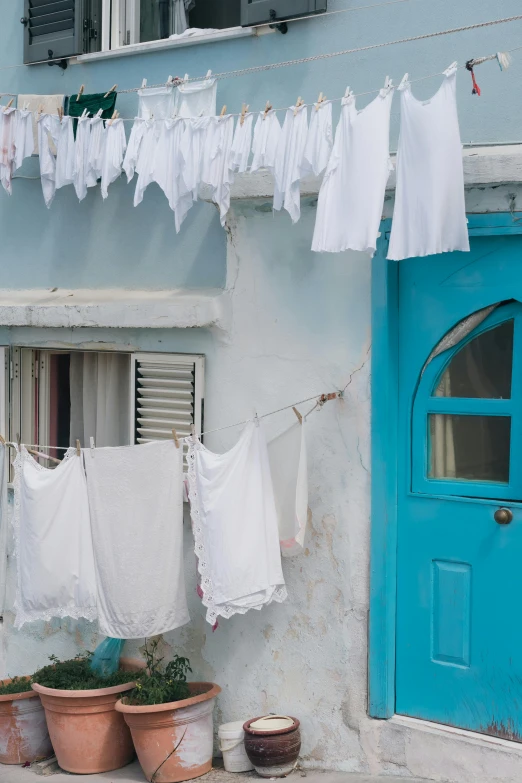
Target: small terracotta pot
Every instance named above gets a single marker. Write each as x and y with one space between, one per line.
23 728
174 741
87 733
273 753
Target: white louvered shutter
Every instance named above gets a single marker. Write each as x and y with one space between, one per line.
167 394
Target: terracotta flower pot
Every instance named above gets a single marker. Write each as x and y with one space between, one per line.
23 728
174 741
274 752
87 733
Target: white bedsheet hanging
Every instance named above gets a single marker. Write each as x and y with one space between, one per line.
53 545
235 526
136 504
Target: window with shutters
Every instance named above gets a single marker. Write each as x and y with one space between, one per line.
61 28
54 398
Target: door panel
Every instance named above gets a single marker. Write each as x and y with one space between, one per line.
459 640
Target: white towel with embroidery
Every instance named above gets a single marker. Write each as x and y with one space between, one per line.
136 504
53 545
265 144
319 140
289 468
235 526
242 144
113 154
287 172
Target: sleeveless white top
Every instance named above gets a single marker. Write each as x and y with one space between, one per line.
430 214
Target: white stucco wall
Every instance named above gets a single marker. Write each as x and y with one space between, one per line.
299 325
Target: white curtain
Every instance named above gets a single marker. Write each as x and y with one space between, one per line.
180 11
100 399
443 463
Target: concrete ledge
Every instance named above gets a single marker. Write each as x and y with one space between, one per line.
114 308
494 165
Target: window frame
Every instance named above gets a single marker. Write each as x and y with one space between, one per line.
425 403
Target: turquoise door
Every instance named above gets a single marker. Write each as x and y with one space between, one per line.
459 556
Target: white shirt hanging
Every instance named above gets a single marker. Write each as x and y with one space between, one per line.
145 162
113 154
65 152
287 172
53 544
46 130
216 170
235 526
8 122
156 102
24 141
351 197
242 144
265 144
81 166
430 213
319 140
196 99
136 503
289 469
133 148
96 152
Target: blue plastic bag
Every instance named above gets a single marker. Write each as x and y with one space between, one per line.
106 658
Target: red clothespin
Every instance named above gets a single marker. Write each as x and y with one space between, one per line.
476 88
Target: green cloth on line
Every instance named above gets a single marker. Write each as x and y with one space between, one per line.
93 103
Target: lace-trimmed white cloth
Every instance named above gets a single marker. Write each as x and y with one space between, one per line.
53 545
235 526
136 503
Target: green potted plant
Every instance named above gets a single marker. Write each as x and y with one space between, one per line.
170 719
23 727
87 733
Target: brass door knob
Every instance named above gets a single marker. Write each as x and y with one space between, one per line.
503 516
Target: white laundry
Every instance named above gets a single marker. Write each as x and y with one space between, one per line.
242 144
65 152
136 504
8 122
289 469
196 99
53 544
235 526
192 154
145 163
265 144
46 133
351 197
133 148
216 170
319 140
81 151
168 160
194 32
287 172
113 154
96 152
24 141
429 215
156 102
179 12
49 104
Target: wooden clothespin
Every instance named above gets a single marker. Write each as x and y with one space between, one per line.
60 113
78 448
114 117
8 105
321 99
2 440
113 89
80 92
223 111
176 439
299 417
267 109
143 84
299 102
243 113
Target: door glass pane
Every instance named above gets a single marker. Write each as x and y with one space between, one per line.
482 368
469 447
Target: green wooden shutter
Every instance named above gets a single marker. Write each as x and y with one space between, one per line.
259 11
52 29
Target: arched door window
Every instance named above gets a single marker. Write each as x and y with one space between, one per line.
467 414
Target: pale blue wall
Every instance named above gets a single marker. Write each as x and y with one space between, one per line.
115 244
